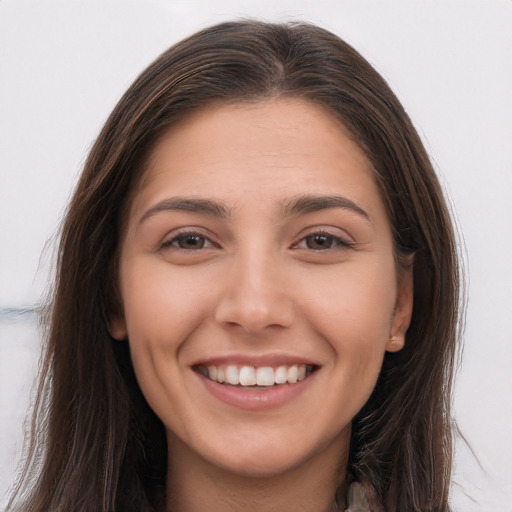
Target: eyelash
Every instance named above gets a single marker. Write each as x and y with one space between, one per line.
183 236
336 242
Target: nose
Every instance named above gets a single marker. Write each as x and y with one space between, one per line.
256 296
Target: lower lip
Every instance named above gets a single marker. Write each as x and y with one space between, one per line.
256 399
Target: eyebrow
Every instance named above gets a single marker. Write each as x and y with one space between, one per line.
196 205
296 206
314 203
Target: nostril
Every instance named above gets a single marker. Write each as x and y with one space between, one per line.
253 318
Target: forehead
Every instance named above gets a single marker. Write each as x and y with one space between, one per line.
273 148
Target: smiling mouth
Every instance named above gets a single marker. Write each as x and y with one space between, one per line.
256 376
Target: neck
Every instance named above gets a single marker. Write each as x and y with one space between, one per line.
198 486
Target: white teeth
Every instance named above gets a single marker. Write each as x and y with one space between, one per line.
247 376
280 375
262 376
265 376
232 375
292 374
212 372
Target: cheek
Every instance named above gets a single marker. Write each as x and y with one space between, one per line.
357 303
353 311
161 309
158 300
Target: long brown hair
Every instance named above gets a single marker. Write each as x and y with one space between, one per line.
96 444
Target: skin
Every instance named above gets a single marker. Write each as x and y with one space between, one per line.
257 282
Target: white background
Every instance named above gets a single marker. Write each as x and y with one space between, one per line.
63 65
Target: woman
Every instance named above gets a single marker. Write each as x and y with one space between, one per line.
257 292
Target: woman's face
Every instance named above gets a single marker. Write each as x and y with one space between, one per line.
259 286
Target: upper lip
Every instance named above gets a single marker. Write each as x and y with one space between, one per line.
256 360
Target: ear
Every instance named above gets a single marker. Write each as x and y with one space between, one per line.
117 328
403 306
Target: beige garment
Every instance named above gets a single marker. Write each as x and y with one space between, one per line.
357 499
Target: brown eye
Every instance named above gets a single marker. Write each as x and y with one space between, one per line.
190 241
323 241
319 241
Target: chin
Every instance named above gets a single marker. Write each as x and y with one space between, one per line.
256 467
